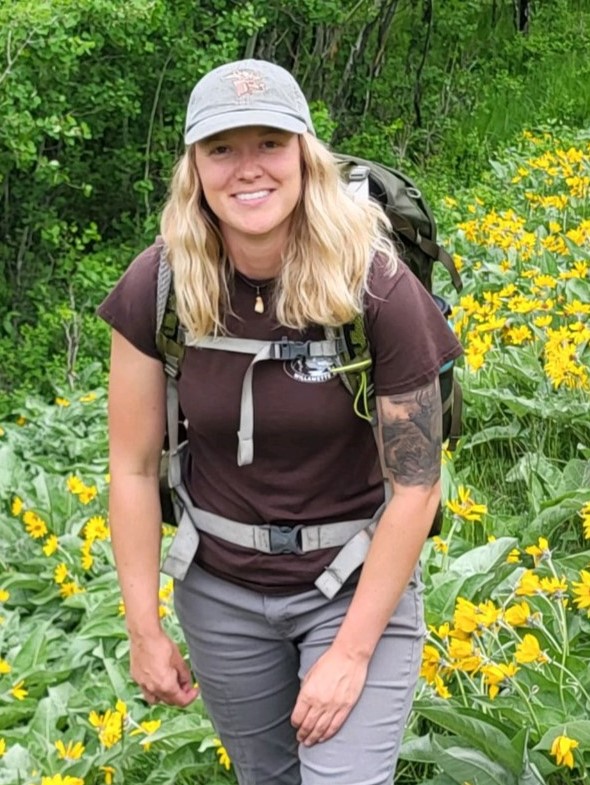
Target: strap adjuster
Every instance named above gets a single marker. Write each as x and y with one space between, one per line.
290 350
284 539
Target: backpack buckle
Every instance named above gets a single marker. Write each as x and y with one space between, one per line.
358 172
284 539
290 350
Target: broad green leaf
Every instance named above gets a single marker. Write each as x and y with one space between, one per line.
422 749
480 733
469 765
485 558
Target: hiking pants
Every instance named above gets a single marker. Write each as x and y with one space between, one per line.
249 653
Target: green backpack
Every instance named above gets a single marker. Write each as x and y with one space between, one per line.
414 231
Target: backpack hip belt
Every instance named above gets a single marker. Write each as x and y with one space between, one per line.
353 537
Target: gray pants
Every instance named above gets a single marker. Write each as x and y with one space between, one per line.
249 652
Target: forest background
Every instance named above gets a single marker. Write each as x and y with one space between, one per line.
486 103
92 101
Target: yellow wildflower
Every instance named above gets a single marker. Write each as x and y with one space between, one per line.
431 662
5 667
96 528
60 573
440 545
109 726
35 526
528 585
555 586
88 398
16 507
109 772
87 559
74 484
440 687
464 506
21 420
51 545
516 336
465 657
562 748
585 516
465 616
539 551
496 675
72 752
222 755
529 650
543 321
518 615
513 557
2 747
148 727
18 690
69 588
582 590
57 779
62 402
88 494
4 595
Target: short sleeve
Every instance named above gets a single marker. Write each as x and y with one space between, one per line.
130 308
410 339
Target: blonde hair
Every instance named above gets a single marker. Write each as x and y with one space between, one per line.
325 265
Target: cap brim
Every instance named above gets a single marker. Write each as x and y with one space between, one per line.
240 119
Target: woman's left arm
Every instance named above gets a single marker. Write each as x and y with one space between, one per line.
409 439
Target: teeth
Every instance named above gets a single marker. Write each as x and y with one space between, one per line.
255 195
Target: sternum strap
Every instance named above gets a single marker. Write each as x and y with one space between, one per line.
262 350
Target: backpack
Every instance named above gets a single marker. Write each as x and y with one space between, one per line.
414 231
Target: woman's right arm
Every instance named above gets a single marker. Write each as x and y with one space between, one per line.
137 406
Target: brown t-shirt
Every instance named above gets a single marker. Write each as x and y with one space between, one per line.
315 461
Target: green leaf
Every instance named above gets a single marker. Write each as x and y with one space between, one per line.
469 765
484 559
477 731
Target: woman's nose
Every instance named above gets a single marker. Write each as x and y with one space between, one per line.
248 167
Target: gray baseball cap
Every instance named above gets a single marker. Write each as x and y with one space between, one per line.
246 92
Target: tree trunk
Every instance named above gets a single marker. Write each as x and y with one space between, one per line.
522 15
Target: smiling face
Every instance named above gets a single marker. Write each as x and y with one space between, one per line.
251 179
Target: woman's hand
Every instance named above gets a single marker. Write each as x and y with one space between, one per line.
159 669
328 692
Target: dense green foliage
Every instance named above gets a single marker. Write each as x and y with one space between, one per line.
92 99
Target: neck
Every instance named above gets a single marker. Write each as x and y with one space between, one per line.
256 257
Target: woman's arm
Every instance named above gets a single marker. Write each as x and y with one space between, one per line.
409 438
137 403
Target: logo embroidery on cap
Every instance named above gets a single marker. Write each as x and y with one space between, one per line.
247 82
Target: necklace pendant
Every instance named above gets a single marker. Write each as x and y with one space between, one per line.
259 304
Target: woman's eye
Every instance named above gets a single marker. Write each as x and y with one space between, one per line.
221 149
270 144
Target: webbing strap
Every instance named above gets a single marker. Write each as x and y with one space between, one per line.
262 350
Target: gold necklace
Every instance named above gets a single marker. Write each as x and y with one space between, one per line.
258 286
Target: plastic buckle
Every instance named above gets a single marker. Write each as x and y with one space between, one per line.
290 350
358 172
284 539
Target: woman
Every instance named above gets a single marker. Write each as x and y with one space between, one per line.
265 243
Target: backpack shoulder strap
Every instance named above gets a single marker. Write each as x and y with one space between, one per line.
169 333
355 365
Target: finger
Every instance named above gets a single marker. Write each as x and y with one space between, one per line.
299 712
309 725
336 723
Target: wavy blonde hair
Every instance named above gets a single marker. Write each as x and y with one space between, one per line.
326 261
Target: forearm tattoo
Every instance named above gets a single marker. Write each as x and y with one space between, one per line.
410 434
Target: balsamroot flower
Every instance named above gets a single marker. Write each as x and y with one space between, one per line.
464 506
561 749
529 650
